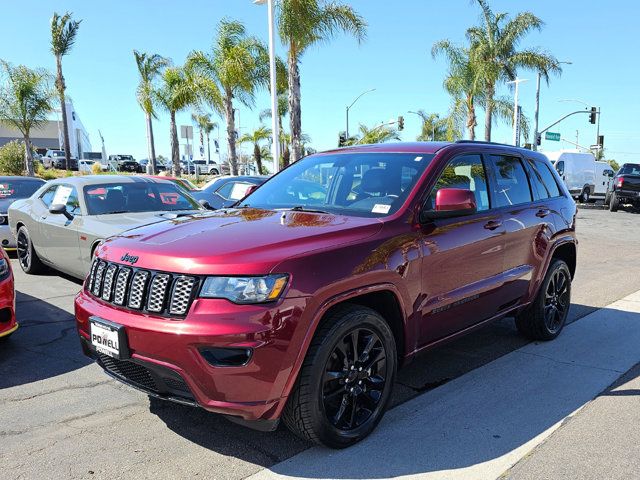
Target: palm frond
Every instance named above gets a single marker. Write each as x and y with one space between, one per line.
63 33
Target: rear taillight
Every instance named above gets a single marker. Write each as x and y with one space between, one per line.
620 183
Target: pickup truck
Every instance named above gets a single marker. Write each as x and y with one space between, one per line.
625 188
56 159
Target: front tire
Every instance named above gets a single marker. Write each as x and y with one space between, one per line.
27 255
584 196
346 380
546 317
614 203
213 171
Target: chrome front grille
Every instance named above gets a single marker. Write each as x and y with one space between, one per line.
181 295
139 289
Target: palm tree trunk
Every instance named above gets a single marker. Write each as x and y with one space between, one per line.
488 117
471 119
175 146
152 147
65 126
258 157
231 133
28 156
295 114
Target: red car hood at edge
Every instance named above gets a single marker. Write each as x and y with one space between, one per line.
234 242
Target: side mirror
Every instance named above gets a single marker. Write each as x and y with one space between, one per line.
60 209
451 202
205 204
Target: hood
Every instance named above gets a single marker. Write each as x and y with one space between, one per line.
129 220
236 241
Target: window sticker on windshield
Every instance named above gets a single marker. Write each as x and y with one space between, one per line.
417 159
5 190
380 208
62 195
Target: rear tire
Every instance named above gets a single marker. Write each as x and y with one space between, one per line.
27 255
546 317
346 380
614 203
213 171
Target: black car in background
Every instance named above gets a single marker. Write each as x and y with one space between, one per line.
129 166
625 188
226 190
13 188
160 167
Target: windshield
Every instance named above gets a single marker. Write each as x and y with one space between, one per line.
358 184
125 157
629 169
92 156
18 188
137 197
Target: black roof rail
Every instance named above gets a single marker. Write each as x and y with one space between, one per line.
481 142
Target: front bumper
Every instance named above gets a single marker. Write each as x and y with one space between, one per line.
7 240
169 350
8 323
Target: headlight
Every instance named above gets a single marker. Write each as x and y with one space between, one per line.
245 289
4 267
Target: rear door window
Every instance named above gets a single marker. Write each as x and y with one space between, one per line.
511 183
548 178
538 187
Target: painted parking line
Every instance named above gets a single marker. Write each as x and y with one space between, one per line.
480 424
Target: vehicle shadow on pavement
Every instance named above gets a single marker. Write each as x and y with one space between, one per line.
428 371
214 432
45 345
488 414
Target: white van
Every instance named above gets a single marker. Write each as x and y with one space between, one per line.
604 177
577 170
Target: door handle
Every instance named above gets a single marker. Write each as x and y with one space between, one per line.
543 212
492 225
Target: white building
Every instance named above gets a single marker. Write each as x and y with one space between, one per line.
50 135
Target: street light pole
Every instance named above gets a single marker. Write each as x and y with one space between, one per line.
516 117
275 126
352 104
536 125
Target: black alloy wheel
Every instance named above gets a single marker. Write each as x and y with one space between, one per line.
354 379
556 300
346 380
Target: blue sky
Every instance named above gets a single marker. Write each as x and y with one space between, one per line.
600 38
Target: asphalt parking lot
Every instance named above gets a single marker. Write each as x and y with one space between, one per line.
61 417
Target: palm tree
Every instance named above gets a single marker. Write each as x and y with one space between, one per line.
25 100
176 92
303 23
379 134
434 128
63 36
234 70
255 137
206 126
149 66
462 83
494 52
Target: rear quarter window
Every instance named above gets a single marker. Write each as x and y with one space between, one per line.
548 178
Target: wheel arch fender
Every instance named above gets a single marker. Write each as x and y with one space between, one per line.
318 308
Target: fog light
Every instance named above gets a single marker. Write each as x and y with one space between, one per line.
226 357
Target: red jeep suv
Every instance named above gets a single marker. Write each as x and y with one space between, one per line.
302 301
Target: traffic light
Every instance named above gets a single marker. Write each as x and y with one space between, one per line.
400 123
601 141
342 139
538 139
592 115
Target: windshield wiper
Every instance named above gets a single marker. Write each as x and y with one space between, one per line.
301 208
